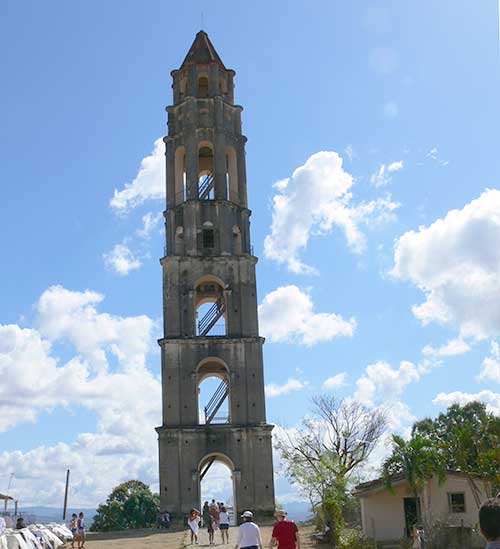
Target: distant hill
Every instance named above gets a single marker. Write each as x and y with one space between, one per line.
44 515
298 511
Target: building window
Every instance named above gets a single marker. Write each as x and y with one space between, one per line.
203 86
456 502
208 238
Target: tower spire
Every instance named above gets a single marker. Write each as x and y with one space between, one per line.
202 52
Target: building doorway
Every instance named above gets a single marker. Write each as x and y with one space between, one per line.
216 475
413 514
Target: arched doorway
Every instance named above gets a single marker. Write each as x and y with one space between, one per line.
217 482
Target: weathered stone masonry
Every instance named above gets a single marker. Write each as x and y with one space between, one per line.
209 260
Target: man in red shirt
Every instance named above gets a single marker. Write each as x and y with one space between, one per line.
285 533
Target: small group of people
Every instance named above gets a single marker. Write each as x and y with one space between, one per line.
77 527
215 516
285 533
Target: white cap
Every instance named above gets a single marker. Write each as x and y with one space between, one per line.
247 514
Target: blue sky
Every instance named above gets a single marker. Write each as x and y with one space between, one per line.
403 100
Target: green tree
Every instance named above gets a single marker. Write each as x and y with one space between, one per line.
322 455
130 505
468 438
418 459
464 438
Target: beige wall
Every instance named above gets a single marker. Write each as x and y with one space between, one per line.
382 512
437 500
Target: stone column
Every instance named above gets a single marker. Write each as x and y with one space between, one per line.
192 168
242 173
170 169
220 166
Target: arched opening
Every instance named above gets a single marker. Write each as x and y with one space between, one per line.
206 182
208 236
212 381
232 174
180 175
210 307
203 86
237 240
217 483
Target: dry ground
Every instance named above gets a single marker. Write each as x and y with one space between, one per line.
156 539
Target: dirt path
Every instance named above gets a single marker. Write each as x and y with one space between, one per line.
154 539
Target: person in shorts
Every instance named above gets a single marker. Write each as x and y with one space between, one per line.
208 522
285 533
73 526
224 524
489 522
81 530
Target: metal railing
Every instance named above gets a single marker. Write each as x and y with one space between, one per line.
216 401
181 197
206 186
211 317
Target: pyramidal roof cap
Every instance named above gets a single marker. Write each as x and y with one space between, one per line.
202 52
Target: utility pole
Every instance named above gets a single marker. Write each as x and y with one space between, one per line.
66 495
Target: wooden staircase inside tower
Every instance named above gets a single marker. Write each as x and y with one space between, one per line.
206 186
216 402
211 317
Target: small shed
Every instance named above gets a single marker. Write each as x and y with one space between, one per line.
5 498
391 515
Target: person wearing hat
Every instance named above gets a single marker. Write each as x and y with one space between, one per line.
285 533
248 533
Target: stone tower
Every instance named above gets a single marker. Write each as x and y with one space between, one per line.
210 298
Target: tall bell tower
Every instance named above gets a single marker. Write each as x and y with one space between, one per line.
210 298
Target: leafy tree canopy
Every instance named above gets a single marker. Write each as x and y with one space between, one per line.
130 505
464 438
323 454
468 437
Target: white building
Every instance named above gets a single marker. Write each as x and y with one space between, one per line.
390 515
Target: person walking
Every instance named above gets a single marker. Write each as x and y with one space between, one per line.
208 522
81 530
489 522
214 511
224 524
73 526
248 533
194 524
285 532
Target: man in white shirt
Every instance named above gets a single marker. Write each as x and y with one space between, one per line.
248 533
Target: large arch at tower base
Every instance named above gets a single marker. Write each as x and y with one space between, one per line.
185 452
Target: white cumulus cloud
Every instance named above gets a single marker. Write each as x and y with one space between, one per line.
148 184
292 385
490 369
383 385
36 380
455 262
121 260
287 315
150 223
491 399
335 382
314 200
453 347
